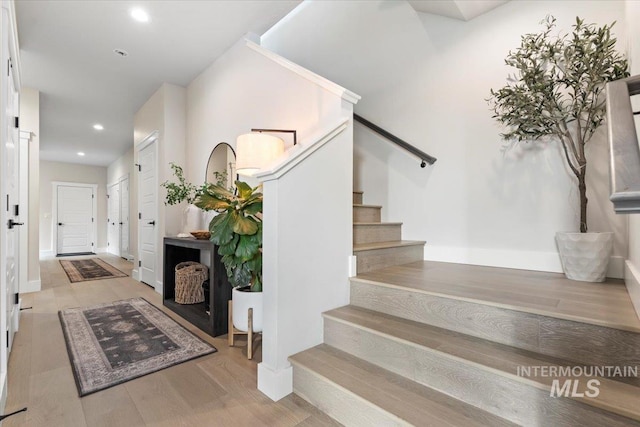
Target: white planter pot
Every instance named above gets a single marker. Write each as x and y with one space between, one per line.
585 256
191 219
242 302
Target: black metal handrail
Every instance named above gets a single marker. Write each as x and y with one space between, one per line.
401 143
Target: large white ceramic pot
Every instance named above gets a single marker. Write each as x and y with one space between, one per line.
191 219
243 300
585 256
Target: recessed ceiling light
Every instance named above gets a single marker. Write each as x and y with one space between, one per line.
98 126
80 153
139 15
120 52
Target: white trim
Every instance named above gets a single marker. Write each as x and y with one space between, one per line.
14 45
504 258
16 315
101 250
135 274
32 286
23 276
54 215
149 139
275 384
46 253
632 280
324 83
3 390
298 153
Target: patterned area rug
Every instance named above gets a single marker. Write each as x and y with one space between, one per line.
112 343
81 270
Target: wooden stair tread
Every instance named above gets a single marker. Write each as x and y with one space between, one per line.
386 245
614 396
407 400
548 294
357 205
375 223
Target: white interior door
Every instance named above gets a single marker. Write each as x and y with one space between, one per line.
12 179
147 195
124 218
113 219
75 219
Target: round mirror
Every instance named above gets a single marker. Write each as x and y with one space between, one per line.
221 166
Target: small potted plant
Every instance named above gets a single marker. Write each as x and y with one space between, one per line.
237 231
180 192
557 93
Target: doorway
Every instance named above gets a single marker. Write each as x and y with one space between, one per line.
118 218
74 207
147 211
113 219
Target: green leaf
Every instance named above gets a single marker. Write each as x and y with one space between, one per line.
221 229
248 247
244 190
209 202
243 225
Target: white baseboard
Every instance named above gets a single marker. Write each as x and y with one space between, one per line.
31 286
353 269
159 287
47 254
3 391
275 384
101 250
135 274
632 280
523 260
15 316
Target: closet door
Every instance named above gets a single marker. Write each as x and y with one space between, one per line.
124 218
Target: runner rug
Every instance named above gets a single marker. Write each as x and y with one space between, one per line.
109 344
81 270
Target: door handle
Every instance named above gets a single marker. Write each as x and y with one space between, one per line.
60 223
152 223
121 223
11 223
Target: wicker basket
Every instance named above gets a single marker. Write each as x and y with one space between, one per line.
189 278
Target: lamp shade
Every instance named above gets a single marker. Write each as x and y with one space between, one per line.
254 151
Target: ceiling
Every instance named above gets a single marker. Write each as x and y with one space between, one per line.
464 10
67 53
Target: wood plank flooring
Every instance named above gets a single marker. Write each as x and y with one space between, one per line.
214 390
550 294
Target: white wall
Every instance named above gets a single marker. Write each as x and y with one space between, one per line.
124 166
425 78
632 271
70 172
304 274
164 112
30 122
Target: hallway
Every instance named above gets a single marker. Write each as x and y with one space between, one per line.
214 390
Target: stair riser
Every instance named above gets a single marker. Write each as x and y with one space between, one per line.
339 403
506 397
366 214
357 198
376 233
381 258
580 342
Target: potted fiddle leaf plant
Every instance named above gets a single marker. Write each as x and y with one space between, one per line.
237 231
183 191
557 94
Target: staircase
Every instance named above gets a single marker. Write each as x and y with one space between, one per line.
438 344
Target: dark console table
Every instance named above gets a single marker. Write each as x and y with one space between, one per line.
179 250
